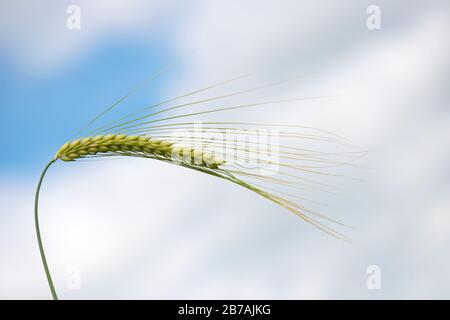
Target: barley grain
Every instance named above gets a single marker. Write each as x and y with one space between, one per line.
130 145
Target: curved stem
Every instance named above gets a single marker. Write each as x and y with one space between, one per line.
38 232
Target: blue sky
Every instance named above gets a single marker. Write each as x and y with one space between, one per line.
40 112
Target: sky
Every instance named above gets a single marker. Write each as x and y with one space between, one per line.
125 229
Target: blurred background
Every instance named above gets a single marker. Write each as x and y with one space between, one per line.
128 229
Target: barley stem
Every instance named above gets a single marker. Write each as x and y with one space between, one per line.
38 232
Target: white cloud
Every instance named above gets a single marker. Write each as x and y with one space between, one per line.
35 34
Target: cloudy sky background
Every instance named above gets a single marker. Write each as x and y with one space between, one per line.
143 229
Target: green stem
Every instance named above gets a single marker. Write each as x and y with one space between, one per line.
38 232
